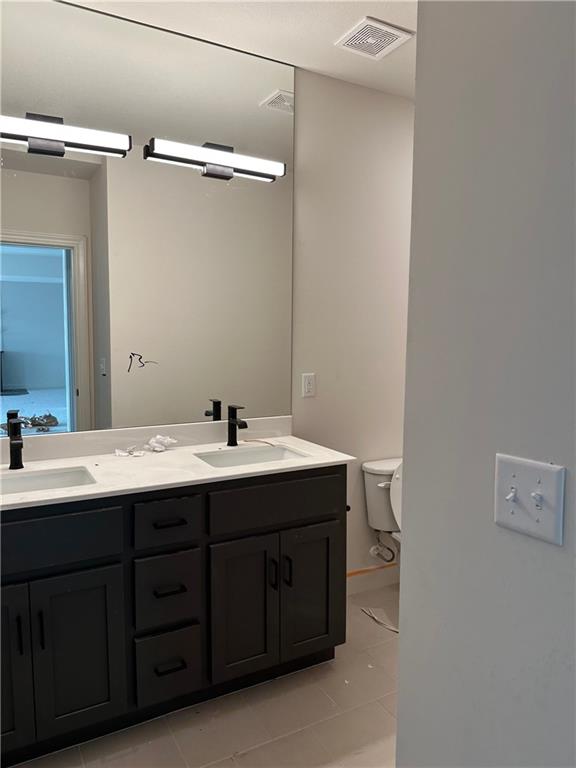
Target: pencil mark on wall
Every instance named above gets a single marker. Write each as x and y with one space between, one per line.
138 361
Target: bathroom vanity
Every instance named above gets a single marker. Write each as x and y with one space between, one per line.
119 607
135 586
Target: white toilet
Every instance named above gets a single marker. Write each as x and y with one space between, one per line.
383 484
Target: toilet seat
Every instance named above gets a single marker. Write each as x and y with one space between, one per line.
396 495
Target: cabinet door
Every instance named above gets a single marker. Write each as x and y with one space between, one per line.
313 613
245 606
17 690
79 648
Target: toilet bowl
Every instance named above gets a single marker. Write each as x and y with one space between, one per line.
383 485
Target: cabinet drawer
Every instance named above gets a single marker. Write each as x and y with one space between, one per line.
168 665
274 504
44 542
171 521
168 589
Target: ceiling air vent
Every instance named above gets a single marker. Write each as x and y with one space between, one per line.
373 38
280 100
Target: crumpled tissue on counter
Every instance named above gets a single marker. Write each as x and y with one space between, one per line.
159 443
130 451
155 444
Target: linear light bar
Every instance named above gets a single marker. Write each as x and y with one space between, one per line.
21 130
196 156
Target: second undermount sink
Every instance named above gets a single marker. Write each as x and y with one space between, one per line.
20 481
242 455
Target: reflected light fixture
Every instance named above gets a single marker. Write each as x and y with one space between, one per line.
46 135
216 161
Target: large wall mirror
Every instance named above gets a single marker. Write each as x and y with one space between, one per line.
133 291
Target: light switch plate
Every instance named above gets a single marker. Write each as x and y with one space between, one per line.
529 497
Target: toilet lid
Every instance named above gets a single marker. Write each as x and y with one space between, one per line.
396 494
381 467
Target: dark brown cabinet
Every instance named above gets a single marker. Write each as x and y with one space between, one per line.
17 689
245 581
313 589
168 665
168 589
276 598
79 649
122 609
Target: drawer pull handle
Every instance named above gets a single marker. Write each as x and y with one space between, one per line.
173 522
42 630
288 571
273 573
175 589
19 635
170 667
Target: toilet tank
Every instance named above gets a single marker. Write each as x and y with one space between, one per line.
380 514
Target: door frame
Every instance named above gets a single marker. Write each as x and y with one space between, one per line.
81 301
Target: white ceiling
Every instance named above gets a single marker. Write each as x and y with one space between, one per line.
298 33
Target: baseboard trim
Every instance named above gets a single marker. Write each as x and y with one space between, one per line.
374 577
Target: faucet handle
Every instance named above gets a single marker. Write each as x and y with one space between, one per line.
216 410
233 412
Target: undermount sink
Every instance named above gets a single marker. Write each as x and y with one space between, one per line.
240 456
20 481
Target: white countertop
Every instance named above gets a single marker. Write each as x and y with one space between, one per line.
178 466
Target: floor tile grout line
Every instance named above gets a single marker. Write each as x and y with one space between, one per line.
304 728
384 642
175 740
379 701
315 737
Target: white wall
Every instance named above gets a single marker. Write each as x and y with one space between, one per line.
42 203
200 281
353 161
487 674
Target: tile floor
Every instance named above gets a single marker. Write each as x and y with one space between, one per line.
341 714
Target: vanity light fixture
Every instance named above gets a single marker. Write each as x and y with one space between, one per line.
46 135
215 161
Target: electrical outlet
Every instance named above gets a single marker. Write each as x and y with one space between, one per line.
308 385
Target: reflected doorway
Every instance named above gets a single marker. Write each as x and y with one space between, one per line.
44 338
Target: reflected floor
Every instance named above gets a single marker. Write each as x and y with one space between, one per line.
37 402
341 714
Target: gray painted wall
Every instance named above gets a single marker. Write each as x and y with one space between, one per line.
487 624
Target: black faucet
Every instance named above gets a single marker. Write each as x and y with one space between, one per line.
234 423
14 425
215 411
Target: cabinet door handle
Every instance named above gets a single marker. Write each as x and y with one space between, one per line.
19 636
42 630
174 589
169 667
273 573
288 570
173 522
